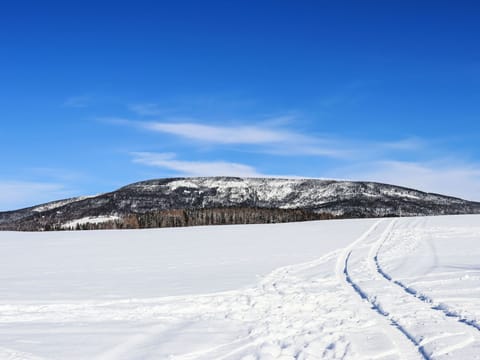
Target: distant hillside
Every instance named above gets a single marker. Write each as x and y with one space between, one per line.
227 200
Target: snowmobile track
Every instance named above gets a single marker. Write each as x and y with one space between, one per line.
414 316
422 297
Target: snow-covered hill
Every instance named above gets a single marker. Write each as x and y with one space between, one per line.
199 201
404 288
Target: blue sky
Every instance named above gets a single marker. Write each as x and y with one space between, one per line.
95 95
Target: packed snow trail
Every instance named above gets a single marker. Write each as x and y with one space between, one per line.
435 334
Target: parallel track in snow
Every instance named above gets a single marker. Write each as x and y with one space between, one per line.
435 334
421 296
342 270
377 307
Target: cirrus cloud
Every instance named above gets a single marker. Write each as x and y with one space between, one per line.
194 168
444 176
267 138
19 194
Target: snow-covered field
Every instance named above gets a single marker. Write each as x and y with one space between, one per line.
406 288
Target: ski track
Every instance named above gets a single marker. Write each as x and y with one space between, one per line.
344 305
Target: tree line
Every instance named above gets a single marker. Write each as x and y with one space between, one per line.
196 217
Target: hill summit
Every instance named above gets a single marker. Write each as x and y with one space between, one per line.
231 200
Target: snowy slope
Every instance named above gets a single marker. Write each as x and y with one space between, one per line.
354 289
137 204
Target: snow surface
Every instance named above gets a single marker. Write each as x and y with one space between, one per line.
90 220
406 288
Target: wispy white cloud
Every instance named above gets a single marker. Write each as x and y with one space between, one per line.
146 109
407 144
77 101
19 194
194 168
57 175
223 134
328 149
274 137
445 176
267 137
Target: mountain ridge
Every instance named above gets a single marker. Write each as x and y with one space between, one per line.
184 201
